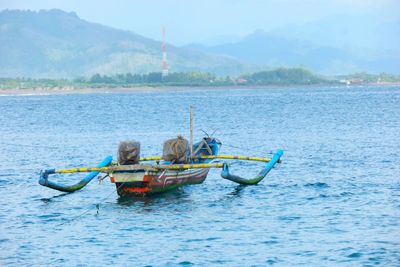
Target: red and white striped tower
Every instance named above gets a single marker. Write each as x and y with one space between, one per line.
164 55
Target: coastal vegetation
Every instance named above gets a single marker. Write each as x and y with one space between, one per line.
280 76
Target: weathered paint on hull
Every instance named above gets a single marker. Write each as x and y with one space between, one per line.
145 183
142 182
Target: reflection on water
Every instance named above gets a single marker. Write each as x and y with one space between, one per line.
174 196
237 192
47 200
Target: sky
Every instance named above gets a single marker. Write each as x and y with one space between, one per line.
189 21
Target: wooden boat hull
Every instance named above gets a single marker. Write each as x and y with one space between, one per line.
142 182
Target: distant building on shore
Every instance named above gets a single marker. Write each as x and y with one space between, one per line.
352 81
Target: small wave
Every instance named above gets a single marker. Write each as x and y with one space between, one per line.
317 185
50 217
355 255
203 239
272 261
289 218
186 263
270 242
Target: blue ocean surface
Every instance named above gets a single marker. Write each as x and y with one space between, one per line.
334 200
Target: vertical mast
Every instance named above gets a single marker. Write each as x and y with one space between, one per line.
164 54
191 132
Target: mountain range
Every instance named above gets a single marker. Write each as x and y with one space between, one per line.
58 44
333 45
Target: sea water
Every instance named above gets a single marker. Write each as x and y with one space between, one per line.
334 199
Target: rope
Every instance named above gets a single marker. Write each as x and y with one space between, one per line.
100 179
248 149
89 209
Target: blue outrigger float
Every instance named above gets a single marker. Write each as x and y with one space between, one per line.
150 175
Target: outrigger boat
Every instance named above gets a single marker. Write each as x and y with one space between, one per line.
152 180
161 176
154 175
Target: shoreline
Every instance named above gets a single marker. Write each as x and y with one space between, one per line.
168 89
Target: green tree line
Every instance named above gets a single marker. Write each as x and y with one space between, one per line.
280 76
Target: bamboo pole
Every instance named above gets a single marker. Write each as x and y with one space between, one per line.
191 131
139 167
236 157
215 157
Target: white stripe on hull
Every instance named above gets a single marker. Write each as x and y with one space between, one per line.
144 176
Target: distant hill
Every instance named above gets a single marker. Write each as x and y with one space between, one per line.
265 49
56 44
358 34
335 45
372 44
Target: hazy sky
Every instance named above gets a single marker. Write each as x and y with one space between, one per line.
191 21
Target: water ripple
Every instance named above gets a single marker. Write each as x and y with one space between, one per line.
333 201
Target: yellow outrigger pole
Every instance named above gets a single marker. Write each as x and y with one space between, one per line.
155 158
141 167
156 167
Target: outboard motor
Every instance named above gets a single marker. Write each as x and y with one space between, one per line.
128 152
